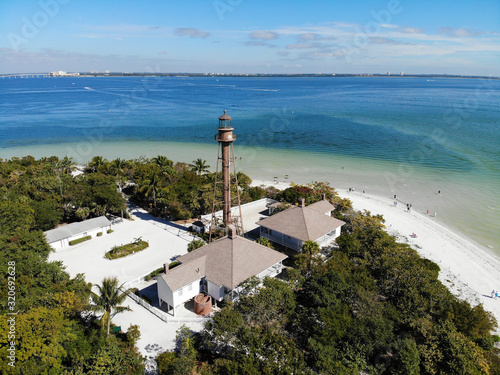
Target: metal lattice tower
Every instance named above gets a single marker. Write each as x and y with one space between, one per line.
222 197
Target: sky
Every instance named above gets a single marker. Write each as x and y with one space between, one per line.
251 36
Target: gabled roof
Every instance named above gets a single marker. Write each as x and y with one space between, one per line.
227 261
304 223
72 229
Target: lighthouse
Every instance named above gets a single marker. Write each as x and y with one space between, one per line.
226 159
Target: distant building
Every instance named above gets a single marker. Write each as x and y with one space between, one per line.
217 269
59 238
294 226
59 73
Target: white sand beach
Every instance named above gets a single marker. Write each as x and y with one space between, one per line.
468 270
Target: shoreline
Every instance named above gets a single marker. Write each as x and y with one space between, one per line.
470 271
458 206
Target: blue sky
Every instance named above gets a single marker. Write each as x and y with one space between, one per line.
251 36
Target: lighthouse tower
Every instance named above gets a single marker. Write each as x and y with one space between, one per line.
225 158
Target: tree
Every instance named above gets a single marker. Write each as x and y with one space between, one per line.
200 166
265 242
118 166
151 185
195 244
67 165
96 162
306 259
109 297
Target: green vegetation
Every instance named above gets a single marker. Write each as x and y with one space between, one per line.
109 231
373 307
99 234
124 250
195 244
79 240
265 242
183 360
160 270
53 334
109 297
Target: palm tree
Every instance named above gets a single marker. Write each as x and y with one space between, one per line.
109 297
166 166
163 162
118 166
96 162
67 165
151 185
200 166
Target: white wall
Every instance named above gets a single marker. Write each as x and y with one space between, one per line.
178 297
65 241
164 292
215 291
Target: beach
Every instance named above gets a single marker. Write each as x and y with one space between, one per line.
469 271
459 205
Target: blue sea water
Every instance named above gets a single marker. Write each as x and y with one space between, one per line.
445 131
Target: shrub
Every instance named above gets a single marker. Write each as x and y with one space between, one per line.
109 231
99 234
147 299
159 271
124 250
195 244
77 241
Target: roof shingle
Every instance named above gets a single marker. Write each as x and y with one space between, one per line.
226 262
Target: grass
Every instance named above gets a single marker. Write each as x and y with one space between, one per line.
124 250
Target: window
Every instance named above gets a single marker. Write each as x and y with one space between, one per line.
190 287
179 293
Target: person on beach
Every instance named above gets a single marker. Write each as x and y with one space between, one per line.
395 203
493 293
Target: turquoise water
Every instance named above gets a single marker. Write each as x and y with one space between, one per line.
405 136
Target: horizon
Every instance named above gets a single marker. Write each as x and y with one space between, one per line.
241 37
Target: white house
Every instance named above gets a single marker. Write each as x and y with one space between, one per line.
60 237
217 269
294 226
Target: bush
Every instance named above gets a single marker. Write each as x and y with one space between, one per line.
153 274
124 250
195 244
147 299
99 234
159 271
109 231
77 241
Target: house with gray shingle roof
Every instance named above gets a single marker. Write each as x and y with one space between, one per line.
59 237
294 226
217 269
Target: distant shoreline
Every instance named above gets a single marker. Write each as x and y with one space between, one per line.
246 75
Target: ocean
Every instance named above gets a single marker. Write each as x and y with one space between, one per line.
409 137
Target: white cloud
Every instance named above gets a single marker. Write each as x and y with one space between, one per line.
191 32
264 35
460 32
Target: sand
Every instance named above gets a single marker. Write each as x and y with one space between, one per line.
470 271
